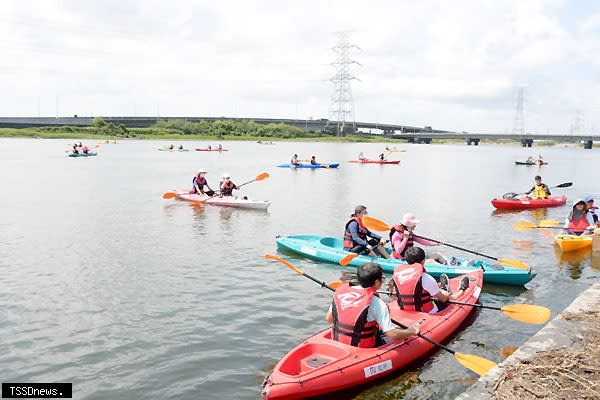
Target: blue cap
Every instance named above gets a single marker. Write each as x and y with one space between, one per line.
588 198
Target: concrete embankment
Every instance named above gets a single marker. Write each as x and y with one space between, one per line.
562 361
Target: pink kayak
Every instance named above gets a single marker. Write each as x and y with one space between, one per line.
375 162
228 201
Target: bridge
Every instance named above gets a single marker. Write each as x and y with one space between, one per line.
412 134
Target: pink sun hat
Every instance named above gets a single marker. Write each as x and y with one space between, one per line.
409 220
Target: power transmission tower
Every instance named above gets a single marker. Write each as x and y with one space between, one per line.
519 122
577 124
342 103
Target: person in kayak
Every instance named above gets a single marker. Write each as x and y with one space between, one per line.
180 147
313 160
358 314
579 221
220 147
85 150
539 190
592 209
209 147
199 182
361 156
294 160
227 185
357 237
416 290
75 151
403 238
382 157
171 147
530 160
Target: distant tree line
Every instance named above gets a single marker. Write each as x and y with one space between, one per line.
99 127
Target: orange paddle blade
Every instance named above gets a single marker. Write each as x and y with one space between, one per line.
479 365
346 260
375 224
262 176
287 264
196 204
528 313
514 263
169 195
335 284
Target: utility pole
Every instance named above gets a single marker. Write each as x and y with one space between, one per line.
519 121
342 103
577 124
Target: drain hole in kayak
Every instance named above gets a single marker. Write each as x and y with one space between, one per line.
496 266
317 362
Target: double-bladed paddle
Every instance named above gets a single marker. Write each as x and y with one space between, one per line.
479 365
512 195
545 224
377 225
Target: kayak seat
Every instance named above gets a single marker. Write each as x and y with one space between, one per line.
312 356
331 242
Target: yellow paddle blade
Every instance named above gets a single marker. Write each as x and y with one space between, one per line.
168 195
375 224
346 260
262 176
287 264
479 365
335 284
524 225
528 313
514 263
549 223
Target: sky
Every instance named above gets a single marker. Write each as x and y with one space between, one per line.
453 65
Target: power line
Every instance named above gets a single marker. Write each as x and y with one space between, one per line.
342 102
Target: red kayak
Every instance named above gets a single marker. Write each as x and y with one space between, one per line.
522 204
320 365
374 162
205 149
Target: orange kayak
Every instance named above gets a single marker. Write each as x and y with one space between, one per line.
320 365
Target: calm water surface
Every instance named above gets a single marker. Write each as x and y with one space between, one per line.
129 296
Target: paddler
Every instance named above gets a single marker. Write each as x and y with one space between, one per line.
416 290
313 160
220 147
356 236
530 160
171 147
180 147
403 238
382 157
75 151
226 185
359 316
361 156
199 182
592 209
579 221
85 150
294 160
539 190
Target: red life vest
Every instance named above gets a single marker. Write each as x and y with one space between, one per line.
198 181
362 233
409 243
350 308
577 226
409 288
227 188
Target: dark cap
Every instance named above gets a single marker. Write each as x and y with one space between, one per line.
538 178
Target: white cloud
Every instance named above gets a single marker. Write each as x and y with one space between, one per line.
452 65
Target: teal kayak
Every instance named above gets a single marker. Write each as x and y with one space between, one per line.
83 154
329 249
310 166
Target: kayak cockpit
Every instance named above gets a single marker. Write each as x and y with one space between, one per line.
311 356
331 242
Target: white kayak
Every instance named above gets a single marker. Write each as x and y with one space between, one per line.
228 201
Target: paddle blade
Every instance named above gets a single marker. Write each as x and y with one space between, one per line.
528 313
168 195
262 176
346 260
287 264
514 263
548 223
564 185
196 204
479 365
524 226
375 224
335 284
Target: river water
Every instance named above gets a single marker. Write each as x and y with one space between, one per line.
106 285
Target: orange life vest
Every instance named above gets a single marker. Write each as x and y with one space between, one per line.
409 288
362 233
577 226
227 188
409 243
350 308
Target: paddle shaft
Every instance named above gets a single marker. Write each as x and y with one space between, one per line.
562 185
458 248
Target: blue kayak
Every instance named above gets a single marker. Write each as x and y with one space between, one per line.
83 154
329 249
313 166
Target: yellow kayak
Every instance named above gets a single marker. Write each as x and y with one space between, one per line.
573 242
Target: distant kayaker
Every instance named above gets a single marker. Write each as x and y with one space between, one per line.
227 186
403 238
416 290
75 151
530 160
357 237
361 156
592 209
220 147
313 160
180 147
209 148
579 221
85 150
80 145
199 182
539 190
358 314
382 157
171 147
294 160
